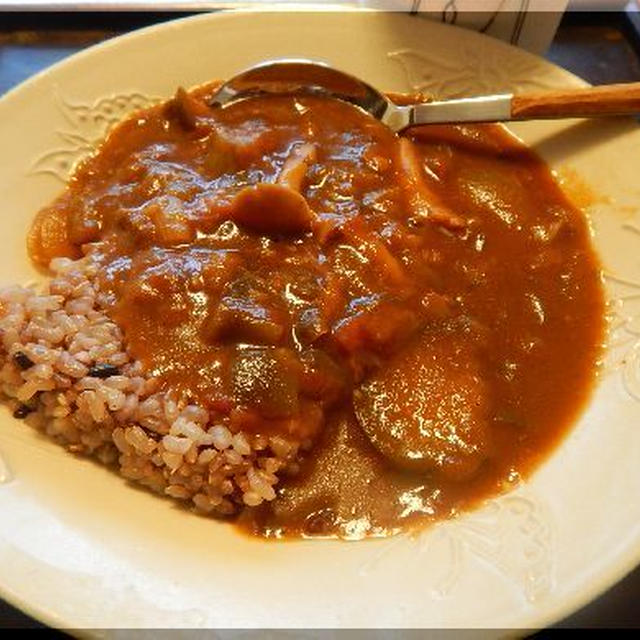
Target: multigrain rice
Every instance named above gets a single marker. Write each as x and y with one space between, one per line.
64 368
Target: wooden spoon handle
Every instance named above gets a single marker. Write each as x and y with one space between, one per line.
611 99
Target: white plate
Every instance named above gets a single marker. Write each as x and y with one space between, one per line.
80 548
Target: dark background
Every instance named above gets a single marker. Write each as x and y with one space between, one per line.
599 47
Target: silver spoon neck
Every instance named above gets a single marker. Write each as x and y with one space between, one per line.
495 108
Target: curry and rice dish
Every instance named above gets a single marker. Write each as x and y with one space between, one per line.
282 313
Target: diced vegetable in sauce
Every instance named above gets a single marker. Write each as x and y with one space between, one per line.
247 313
265 380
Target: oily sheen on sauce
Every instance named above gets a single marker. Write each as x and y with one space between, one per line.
424 313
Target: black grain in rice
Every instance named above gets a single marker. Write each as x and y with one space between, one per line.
103 370
22 411
23 361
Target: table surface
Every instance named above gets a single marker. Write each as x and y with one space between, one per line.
601 48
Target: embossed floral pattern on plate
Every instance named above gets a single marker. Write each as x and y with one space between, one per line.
88 124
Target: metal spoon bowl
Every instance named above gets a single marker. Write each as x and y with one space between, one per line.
294 76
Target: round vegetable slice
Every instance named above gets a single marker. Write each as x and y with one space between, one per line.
428 408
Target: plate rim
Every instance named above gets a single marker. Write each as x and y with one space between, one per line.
616 571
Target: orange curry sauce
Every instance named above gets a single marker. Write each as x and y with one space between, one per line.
424 313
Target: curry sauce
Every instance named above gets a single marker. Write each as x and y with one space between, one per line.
423 314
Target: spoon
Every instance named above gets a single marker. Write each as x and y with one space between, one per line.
307 76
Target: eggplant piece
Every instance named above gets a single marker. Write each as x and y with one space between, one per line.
322 377
242 321
247 312
266 380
